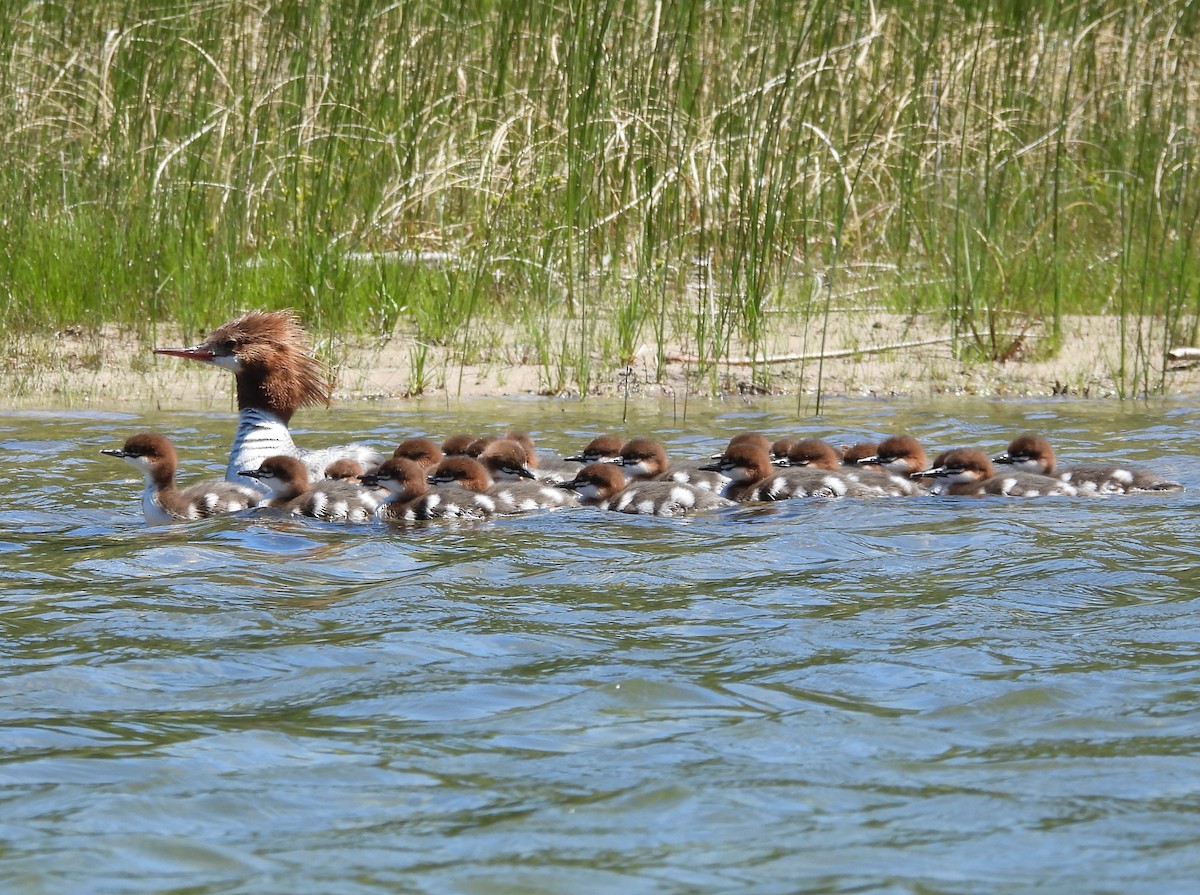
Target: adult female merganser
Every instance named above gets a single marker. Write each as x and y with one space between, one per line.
754 477
410 497
603 485
1033 453
333 501
267 353
646 460
510 497
971 474
162 501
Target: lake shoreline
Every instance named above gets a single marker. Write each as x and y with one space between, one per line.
866 355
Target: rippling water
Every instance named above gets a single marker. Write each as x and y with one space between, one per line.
930 695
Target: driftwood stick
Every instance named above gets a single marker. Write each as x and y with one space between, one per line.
793 358
1184 354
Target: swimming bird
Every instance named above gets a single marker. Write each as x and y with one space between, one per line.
267 353
162 500
339 500
971 474
900 454
422 451
812 453
409 497
1033 453
509 497
754 477
601 449
603 485
645 459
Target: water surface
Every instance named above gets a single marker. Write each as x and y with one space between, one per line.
931 695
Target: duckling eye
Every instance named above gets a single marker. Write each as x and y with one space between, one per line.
228 345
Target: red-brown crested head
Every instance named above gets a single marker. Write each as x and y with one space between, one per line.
267 351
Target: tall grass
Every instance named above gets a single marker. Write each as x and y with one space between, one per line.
603 174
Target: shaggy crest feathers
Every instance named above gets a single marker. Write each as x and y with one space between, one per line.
262 340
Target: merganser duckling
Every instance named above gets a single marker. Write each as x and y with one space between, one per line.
410 498
752 438
333 501
779 448
755 477
344 469
852 453
457 445
422 451
644 459
1033 453
548 468
603 485
267 353
816 454
936 485
506 461
601 449
899 454
510 497
479 445
971 474
162 501
812 452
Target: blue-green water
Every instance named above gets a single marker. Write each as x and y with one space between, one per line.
910 696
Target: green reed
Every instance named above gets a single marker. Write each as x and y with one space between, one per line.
598 176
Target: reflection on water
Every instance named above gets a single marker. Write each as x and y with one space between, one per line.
933 695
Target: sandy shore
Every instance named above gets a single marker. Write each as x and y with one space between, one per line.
865 354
